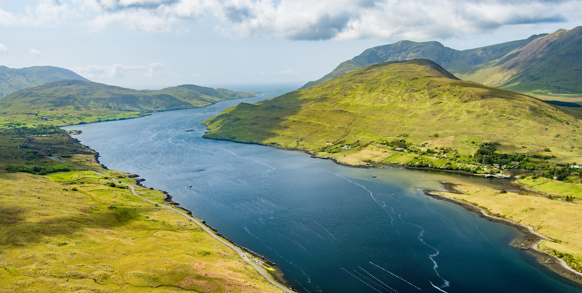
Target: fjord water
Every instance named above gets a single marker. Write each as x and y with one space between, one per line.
330 228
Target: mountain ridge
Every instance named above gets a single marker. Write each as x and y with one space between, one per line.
78 101
507 65
14 79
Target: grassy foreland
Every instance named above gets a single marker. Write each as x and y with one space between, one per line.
414 113
65 229
557 219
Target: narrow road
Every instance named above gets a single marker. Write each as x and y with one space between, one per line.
242 254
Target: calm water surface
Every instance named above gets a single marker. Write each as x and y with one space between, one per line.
330 228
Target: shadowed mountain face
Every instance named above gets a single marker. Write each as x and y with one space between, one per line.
87 96
383 101
12 79
550 63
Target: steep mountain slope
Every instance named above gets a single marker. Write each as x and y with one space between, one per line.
550 63
414 99
12 79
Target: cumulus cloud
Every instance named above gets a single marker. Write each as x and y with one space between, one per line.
305 19
3 48
35 52
385 19
116 71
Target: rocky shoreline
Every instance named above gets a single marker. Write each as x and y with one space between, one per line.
528 241
277 274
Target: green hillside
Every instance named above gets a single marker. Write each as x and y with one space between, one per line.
76 101
414 107
12 79
542 63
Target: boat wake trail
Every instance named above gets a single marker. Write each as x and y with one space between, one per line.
393 274
437 287
390 288
361 280
325 229
383 206
271 168
446 283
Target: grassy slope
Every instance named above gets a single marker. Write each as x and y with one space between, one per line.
72 102
102 238
12 79
68 231
558 220
416 98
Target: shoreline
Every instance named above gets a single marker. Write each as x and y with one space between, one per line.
528 242
368 165
277 274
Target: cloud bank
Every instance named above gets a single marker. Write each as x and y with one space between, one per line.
303 19
119 71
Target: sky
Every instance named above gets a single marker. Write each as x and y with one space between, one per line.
155 43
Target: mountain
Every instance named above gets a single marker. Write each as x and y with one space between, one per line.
86 98
548 62
12 79
415 100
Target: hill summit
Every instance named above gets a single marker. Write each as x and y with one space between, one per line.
12 79
415 100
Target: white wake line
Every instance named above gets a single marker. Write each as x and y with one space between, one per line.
432 256
361 280
437 287
256 161
393 274
371 195
377 279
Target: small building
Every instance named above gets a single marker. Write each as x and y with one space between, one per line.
577 166
346 147
515 163
496 166
328 143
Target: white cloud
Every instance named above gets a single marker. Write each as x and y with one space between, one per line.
303 19
3 48
35 52
117 71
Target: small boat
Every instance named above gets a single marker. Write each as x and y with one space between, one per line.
394 194
374 176
190 186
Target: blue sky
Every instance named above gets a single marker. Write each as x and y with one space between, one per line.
153 43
